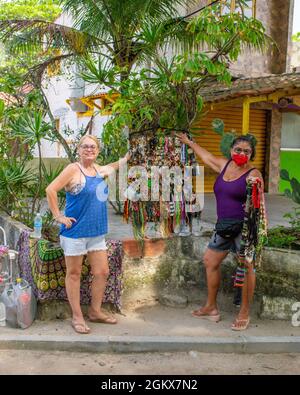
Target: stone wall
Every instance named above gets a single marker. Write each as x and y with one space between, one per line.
177 278
12 229
175 275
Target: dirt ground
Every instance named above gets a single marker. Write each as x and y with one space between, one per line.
187 363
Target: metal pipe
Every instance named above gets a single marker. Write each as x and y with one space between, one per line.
4 235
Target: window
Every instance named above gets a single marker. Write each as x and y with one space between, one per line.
290 136
250 10
227 6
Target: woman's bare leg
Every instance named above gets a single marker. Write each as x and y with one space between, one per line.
100 270
247 297
212 261
74 266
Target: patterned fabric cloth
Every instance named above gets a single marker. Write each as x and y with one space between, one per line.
42 264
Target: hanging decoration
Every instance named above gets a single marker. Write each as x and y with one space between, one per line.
254 232
162 149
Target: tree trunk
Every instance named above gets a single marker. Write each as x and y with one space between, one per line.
39 180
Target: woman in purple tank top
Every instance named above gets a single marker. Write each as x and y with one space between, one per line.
230 192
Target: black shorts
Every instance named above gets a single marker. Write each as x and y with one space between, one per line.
218 243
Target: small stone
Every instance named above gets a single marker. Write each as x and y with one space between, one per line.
173 300
102 364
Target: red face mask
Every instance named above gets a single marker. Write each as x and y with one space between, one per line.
239 159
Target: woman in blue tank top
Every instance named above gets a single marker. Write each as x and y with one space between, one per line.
230 192
83 227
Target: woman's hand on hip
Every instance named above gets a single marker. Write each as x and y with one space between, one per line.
67 221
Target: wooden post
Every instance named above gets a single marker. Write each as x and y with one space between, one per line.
246 116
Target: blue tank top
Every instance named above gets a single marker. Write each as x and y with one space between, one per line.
89 209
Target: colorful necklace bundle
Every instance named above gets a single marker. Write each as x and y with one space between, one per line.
254 232
163 150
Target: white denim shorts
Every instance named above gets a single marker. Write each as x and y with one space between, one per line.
77 247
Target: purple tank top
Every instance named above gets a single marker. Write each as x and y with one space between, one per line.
230 195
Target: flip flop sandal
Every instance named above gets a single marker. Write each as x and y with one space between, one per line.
236 327
80 328
107 320
206 316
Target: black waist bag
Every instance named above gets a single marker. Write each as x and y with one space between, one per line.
228 228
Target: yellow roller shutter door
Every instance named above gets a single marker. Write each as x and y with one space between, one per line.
232 117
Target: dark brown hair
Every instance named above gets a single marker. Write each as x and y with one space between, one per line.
248 138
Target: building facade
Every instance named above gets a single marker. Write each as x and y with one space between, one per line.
265 100
274 120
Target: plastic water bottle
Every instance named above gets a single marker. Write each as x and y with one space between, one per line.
26 303
2 314
196 226
8 299
38 223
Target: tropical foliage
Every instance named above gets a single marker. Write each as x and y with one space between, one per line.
107 42
281 236
25 9
22 188
123 35
296 37
17 68
167 95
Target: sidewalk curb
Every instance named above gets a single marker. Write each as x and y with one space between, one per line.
132 344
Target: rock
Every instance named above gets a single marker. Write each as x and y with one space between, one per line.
173 300
277 308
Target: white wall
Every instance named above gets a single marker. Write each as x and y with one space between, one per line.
60 88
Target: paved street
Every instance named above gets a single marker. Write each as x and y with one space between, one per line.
186 363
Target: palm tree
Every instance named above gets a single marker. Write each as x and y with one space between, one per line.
32 129
124 32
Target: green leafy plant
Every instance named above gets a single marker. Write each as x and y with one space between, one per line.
294 194
282 237
31 128
288 237
296 37
294 218
15 180
227 137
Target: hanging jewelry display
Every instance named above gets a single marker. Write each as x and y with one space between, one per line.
161 149
254 232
